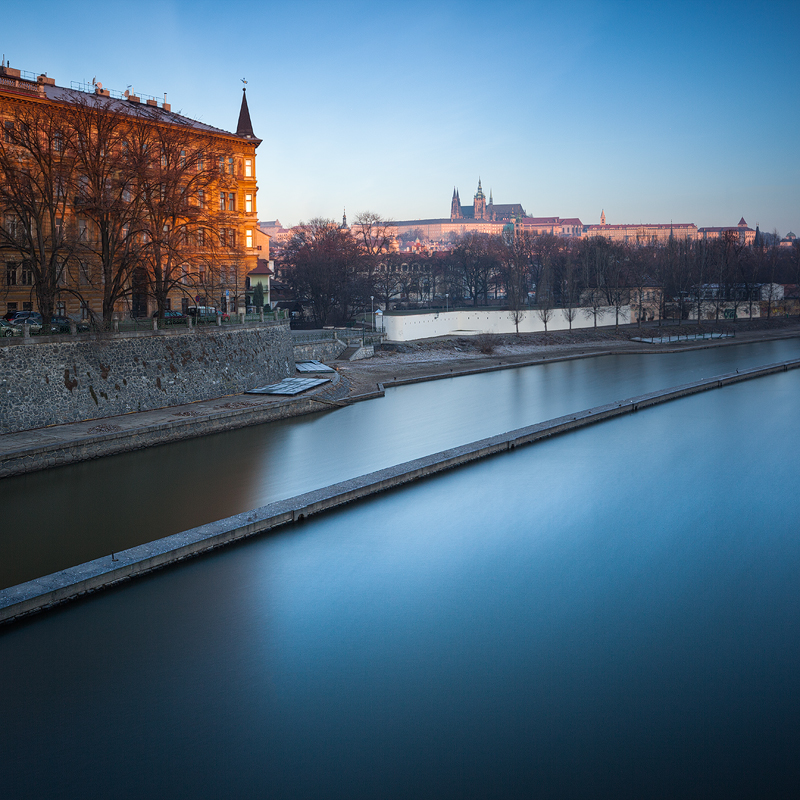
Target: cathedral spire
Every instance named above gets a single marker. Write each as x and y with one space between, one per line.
344 218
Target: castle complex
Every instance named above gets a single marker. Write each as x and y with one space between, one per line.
480 210
491 218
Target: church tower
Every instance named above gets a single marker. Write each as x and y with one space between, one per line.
490 210
455 206
479 202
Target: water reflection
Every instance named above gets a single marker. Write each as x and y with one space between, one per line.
610 613
73 514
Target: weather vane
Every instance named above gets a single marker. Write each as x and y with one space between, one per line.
243 80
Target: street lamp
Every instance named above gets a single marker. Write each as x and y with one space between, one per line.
372 311
447 301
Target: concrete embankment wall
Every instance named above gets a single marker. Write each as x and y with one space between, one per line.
323 350
69 380
407 327
36 595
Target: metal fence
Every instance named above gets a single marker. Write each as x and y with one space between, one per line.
141 325
350 336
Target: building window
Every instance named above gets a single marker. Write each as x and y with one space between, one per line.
61 308
231 201
183 159
221 165
249 239
248 168
201 199
11 274
222 201
26 274
85 311
230 165
8 126
82 230
84 275
248 203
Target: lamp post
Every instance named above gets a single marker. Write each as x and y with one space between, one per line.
447 301
372 311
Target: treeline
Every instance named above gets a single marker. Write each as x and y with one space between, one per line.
339 272
96 203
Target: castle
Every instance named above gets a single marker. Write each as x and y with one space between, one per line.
480 209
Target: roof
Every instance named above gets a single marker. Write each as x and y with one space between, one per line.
244 128
658 225
156 113
723 228
262 268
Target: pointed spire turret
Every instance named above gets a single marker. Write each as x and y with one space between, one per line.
244 128
344 218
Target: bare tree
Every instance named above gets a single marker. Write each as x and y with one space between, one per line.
183 238
36 185
108 204
321 260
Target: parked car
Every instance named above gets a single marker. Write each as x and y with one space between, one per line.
62 324
33 322
172 317
206 313
34 318
7 329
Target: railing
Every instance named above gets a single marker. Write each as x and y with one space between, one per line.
348 335
141 326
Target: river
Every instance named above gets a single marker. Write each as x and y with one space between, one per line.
56 519
614 613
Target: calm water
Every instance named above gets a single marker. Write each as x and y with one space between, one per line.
52 520
613 613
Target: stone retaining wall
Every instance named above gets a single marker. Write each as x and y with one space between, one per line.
50 383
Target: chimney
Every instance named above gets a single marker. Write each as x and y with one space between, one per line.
152 102
167 107
102 92
43 79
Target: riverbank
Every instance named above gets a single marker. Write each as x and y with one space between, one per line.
393 365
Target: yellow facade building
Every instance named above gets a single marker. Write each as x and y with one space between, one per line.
135 209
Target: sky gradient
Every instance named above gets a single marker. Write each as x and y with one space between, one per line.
683 112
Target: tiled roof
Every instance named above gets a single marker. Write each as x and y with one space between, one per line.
154 113
262 268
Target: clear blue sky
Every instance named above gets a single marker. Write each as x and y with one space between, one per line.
654 112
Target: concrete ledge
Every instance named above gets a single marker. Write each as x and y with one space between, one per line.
69 584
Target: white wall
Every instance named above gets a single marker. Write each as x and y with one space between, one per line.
466 322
